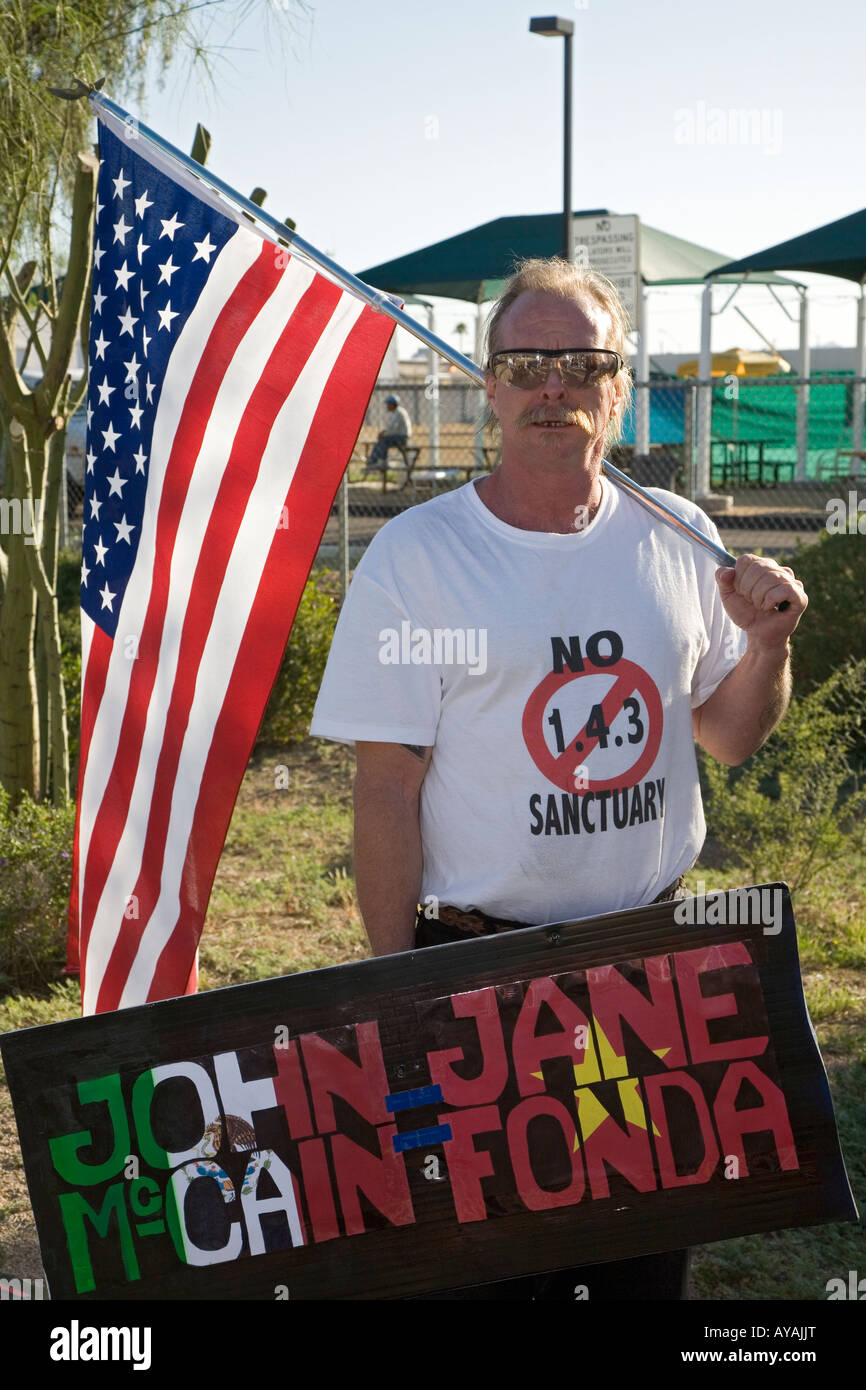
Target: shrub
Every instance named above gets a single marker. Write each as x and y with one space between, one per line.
290 707
795 807
833 628
35 874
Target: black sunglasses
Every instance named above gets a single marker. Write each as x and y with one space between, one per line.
529 368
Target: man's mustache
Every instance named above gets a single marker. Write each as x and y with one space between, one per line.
574 416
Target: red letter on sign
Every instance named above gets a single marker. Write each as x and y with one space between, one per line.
466 1166
331 1072
771 1117
290 1091
655 1087
529 1048
482 1005
655 1020
628 1151
554 1165
698 1007
317 1189
382 1180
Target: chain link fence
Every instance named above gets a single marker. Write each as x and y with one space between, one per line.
774 484
769 495
772 496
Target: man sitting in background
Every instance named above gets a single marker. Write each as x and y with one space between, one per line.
398 431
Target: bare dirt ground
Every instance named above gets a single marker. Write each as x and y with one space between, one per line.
19 1246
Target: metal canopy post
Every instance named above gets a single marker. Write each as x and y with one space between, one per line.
804 370
705 396
478 448
858 393
432 391
642 394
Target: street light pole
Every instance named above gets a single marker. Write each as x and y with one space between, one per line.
551 26
568 228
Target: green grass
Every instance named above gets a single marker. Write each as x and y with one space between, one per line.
798 1263
284 894
61 1001
831 931
830 910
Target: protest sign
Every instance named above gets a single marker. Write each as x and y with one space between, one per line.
627 1084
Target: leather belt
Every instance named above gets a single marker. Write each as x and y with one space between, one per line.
477 923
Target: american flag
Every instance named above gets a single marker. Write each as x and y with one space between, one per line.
228 383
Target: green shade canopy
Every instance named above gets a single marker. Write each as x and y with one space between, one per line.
474 264
837 248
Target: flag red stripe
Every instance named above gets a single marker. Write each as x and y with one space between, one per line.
333 431
288 358
239 312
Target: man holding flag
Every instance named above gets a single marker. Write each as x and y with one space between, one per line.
559 781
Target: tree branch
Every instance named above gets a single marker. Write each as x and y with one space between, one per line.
49 283
84 332
21 306
4 441
10 240
149 23
49 633
60 160
12 388
77 393
71 301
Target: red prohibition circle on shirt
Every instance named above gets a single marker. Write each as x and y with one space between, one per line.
559 768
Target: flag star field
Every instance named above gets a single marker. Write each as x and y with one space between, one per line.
155 244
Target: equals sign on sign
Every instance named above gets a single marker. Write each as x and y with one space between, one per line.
412 1100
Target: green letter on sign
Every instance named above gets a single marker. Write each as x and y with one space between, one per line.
64 1151
75 1212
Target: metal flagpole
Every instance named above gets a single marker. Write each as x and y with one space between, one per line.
377 299
383 303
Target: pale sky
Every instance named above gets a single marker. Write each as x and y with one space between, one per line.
382 128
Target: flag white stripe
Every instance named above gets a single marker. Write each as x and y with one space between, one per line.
234 261
237 597
88 627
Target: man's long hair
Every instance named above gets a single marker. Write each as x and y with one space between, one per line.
556 277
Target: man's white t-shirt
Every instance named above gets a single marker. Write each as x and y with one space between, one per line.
554 677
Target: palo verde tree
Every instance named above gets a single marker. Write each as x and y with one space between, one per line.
47 194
